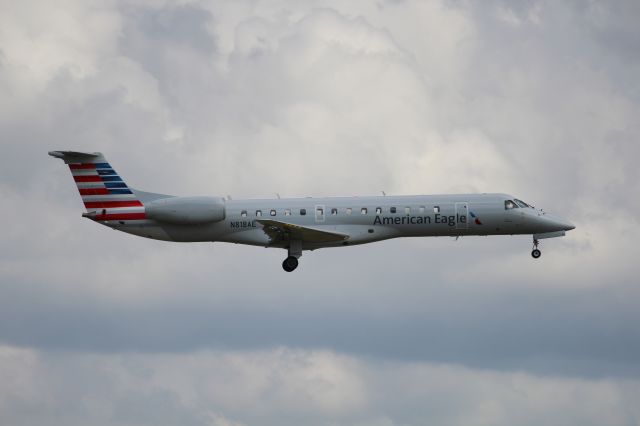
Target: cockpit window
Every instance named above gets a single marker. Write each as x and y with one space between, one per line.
522 203
508 205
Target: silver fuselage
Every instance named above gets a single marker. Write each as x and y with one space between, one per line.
363 219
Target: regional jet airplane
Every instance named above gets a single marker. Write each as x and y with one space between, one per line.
297 224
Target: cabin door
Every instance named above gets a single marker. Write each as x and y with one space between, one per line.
462 215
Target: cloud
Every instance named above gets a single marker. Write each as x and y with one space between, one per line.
284 386
322 98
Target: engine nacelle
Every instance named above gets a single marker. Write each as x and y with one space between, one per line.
186 210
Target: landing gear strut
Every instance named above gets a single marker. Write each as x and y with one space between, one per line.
535 253
295 251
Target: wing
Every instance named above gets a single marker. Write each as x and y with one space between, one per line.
277 231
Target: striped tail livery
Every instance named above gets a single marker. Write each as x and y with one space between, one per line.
104 194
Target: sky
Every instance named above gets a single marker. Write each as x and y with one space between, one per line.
249 98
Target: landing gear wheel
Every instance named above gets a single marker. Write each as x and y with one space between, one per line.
290 264
535 253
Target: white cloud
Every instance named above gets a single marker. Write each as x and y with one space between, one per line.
314 98
40 40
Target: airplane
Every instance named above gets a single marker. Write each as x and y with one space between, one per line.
298 224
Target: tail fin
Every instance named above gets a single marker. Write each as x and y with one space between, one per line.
105 195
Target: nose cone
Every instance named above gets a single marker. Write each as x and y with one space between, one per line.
566 225
558 223
540 222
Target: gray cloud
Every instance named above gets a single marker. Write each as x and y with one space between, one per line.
561 328
288 387
539 99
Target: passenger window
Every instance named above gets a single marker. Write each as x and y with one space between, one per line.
303 212
421 209
392 209
508 205
319 211
378 210
407 210
349 210
258 212
243 213
287 212
363 210
272 212
436 209
334 211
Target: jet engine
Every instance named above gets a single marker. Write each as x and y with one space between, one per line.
186 210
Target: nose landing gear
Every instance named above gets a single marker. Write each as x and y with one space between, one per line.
535 253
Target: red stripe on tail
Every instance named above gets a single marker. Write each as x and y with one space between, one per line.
93 191
121 216
81 166
111 204
94 178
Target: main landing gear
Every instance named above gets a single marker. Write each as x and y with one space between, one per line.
295 251
535 253
290 264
